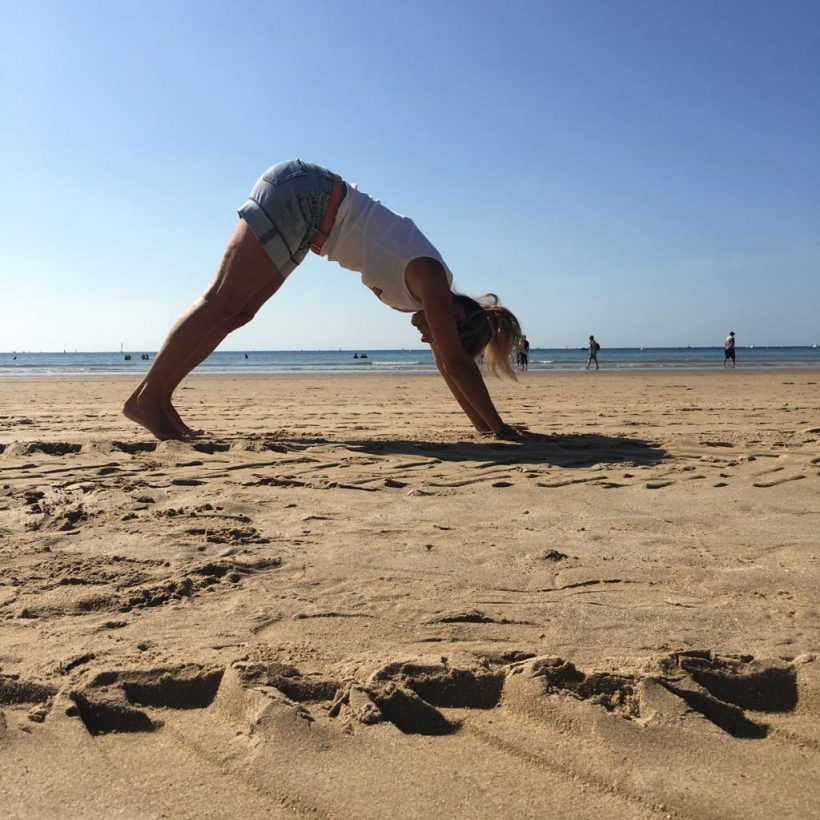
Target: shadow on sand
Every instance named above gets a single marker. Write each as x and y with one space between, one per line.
573 450
558 450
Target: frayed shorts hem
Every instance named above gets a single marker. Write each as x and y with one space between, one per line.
285 210
270 239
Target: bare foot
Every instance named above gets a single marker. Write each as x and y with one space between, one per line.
151 416
174 417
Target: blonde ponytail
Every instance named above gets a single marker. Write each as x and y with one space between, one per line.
489 328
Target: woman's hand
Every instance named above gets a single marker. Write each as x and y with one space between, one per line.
507 432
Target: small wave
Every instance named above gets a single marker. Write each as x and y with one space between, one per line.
404 364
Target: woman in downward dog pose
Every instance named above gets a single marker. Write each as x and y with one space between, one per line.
295 207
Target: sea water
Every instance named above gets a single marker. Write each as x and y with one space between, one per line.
304 362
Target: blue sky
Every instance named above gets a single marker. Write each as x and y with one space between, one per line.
645 171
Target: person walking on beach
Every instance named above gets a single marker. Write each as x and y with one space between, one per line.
729 348
295 207
592 353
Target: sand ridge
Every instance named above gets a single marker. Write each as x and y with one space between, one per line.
342 604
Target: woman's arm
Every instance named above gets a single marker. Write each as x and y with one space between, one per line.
427 281
475 418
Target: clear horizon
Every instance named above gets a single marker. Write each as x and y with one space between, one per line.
419 347
643 171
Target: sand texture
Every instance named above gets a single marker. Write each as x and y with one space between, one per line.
341 604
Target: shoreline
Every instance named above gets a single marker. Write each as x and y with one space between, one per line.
399 374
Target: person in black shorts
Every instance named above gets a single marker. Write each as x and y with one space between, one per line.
729 349
592 353
523 353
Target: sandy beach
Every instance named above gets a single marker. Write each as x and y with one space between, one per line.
342 604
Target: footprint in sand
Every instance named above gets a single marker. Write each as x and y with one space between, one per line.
720 688
778 481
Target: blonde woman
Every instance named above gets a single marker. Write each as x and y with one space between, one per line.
295 207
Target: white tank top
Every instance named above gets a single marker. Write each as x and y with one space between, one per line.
379 244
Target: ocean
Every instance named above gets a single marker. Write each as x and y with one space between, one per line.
303 362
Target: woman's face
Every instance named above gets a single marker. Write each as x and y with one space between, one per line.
419 321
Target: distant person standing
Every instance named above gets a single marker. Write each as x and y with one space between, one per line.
592 353
524 353
729 349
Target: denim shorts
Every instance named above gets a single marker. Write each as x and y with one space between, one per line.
285 210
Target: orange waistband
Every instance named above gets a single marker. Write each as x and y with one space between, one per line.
336 197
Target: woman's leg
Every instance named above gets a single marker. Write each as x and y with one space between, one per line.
246 279
210 344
